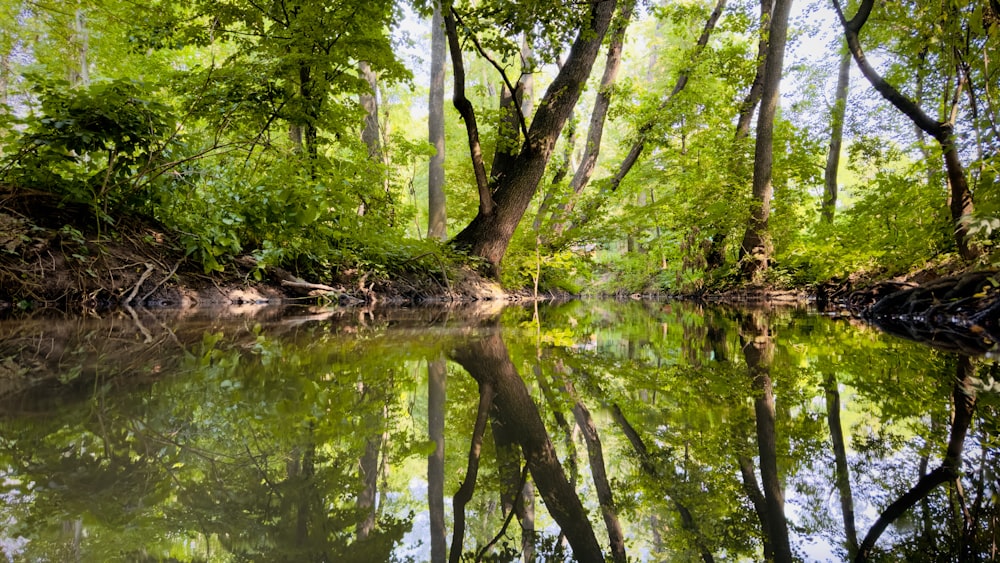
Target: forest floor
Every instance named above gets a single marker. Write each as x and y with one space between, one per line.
52 256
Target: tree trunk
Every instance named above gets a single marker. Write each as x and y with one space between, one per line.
437 218
468 113
964 404
758 349
738 162
836 137
595 132
647 464
5 77
369 102
309 131
757 86
563 168
370 133
501 210
366 501
464 493
605 497
437 373
755 250
753 492
843 478
486 359
640 144
369 476
943 131
80 74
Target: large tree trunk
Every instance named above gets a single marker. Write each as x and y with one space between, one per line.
486 359
437 218
836 137
942 131
502 208
738 162
755 250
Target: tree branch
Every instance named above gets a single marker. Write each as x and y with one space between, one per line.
682 80
464 494
503 73
465 109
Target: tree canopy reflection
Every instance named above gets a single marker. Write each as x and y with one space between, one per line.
591 431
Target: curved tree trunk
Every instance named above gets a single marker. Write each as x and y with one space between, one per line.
487 361
964 404
942 131
605 497
758 349
468 486
502 208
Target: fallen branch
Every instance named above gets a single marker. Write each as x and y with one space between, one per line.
135 289
163 281
308 287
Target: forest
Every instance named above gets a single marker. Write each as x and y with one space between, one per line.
603 147
608 146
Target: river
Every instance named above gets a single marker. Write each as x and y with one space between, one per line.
646 431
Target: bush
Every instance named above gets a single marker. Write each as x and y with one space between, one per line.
101 145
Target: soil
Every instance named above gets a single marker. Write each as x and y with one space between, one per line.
57 255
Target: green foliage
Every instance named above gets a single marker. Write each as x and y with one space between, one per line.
248 144
558 272
101 145
893 223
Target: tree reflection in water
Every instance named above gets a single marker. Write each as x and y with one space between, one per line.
708 434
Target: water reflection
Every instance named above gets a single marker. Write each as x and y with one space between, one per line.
585 431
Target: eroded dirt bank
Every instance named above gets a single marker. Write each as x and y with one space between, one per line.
45 262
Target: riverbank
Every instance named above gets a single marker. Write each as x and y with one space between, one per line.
54 257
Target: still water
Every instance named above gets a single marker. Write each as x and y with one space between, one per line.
640 431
